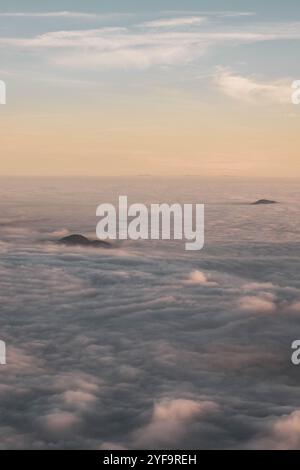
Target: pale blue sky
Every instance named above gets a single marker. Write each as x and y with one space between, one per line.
269 8
160 54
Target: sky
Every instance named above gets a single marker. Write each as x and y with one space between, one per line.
119 88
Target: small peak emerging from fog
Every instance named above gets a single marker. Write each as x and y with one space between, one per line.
80 240
263 202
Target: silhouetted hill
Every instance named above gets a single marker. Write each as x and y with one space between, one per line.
264 201
80 240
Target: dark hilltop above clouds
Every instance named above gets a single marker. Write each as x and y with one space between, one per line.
263 202
80 240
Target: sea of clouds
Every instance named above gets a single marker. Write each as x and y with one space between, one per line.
146 345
